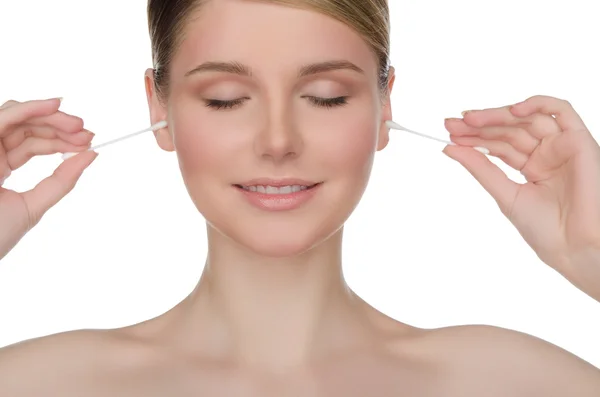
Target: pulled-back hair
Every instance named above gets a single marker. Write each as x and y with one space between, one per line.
167 20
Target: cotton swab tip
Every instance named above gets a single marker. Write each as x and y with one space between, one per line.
67 156
159 125
393 125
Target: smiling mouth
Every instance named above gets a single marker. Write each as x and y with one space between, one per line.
276 190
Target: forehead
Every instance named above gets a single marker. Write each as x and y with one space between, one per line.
267 35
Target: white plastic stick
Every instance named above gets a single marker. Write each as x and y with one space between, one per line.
395 126
157 126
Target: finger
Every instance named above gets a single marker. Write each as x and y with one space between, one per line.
538 125
5 172
81 138
33 146
489 175
52 189
517 137
63 121
503 150
19 113
566 117
8 103
13 140
555 152
491 116
59 120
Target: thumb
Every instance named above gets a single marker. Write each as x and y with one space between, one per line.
51 190
488 174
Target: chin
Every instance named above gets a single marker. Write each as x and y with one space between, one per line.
277 234
279 239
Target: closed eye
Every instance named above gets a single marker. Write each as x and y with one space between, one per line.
219 104
328 102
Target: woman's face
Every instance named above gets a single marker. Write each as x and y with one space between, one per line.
266 95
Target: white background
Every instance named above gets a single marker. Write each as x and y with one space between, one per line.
427 245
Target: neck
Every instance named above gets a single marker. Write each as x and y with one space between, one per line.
268 312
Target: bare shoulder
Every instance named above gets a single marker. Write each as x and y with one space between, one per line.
495 358
64 364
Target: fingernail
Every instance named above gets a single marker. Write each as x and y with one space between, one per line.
465 112
452 119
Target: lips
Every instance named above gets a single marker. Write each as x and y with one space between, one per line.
278 182
278 195
276 186
267 189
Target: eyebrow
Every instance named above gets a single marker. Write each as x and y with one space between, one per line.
328 66
243 70
224 67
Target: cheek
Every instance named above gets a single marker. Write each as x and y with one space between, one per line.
351 147
202 147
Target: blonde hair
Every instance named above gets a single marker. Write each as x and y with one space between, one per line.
369 18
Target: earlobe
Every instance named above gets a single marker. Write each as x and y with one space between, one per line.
157 113
165 140
384 138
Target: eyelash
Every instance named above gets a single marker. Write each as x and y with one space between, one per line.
218 104
328 102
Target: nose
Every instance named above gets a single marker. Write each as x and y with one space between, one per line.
278 139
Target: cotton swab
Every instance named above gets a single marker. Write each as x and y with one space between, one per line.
395 126
157 126
162 124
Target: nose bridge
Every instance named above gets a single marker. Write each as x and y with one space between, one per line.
278 137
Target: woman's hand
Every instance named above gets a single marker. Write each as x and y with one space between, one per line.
558 210
26 130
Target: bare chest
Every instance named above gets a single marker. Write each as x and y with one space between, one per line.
362 381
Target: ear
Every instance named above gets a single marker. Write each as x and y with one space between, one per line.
386 114
158 112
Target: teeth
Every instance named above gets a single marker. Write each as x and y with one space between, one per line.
275 189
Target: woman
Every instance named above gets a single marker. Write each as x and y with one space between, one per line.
299 102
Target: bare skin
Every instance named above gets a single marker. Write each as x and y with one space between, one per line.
142 360
272 315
